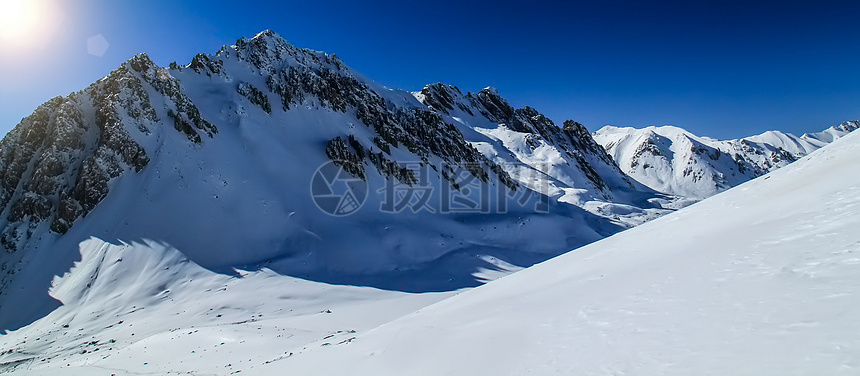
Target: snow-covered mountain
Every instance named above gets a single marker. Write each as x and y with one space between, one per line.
674 161
758 280
571 166
267 210
237 160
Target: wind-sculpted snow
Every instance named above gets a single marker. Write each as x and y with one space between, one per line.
171 314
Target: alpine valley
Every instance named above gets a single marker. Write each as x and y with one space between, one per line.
179 219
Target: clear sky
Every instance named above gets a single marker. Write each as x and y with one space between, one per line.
723 69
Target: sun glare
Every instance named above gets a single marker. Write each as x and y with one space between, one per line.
27 22
18 18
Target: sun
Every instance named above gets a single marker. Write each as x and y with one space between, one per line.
28 25
19 18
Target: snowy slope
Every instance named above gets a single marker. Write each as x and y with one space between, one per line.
761 279
216 159
146 306
830 134
675 161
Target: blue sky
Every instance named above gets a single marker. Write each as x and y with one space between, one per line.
723 69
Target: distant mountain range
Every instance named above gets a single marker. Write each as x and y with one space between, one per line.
674 161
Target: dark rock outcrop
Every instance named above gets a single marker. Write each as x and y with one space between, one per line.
56 165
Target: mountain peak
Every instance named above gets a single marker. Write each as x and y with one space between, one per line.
442 97
140 63
849 126
269 52
490 90
268 34
265 37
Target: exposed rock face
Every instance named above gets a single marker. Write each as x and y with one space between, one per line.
849 126
340 154
201 63
255 96
525 120
184 114
297 75
56 165
573 140
438 97
580 144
